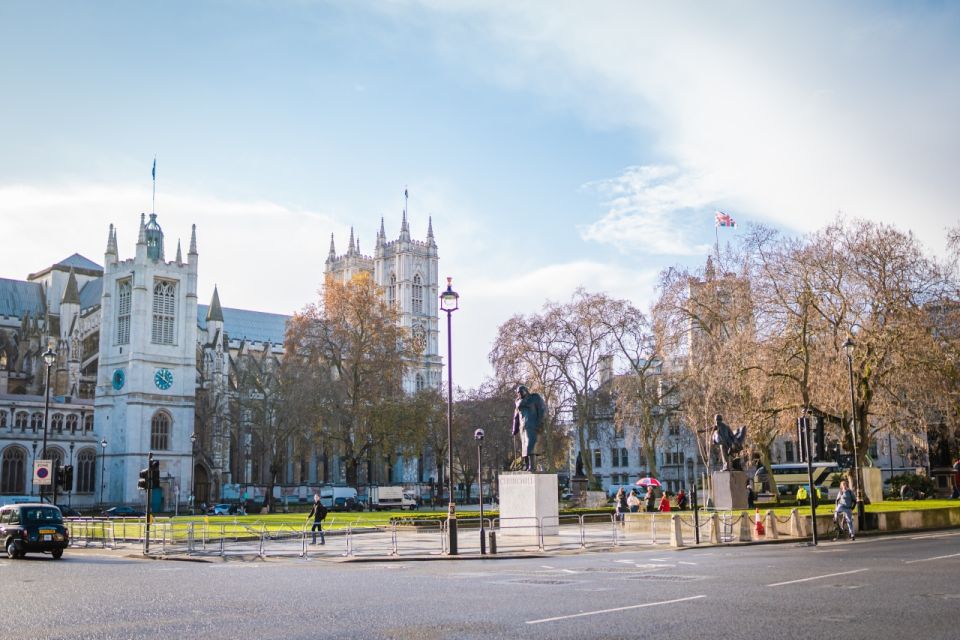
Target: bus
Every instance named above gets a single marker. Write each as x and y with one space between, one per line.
790 477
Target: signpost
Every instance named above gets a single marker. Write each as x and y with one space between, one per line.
43 472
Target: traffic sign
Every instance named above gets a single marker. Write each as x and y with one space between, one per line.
43 472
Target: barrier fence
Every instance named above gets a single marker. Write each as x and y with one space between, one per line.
421 537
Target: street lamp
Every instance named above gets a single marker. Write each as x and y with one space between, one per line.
193 469
70 488
450 302
49 357
478 436
848 347
103 453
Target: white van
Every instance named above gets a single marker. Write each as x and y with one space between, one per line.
340 499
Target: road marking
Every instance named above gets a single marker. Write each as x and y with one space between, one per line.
828 575
595 613
952 555
692 564
934 535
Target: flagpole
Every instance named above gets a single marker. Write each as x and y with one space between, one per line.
153 203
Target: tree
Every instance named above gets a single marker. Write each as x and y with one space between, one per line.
357 351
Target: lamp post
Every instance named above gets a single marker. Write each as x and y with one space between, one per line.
450 302
70 488
478 436
193 469
103 453
848 347
33 460
49 357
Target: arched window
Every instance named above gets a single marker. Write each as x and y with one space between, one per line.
13 470
160 432
56 456
164 312
88 423
56 423
123 311
417 294
420 382
36 422
392 290
3 419
72 423
85 469
21 421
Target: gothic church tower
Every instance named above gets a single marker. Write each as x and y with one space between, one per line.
146 384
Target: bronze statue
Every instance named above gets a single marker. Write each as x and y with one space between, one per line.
528 414
729 442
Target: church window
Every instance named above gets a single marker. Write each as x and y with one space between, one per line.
56 456
123 312
36 422
420 383
12 470
164 311
56 424
21 421
72 423
85 471
3 420
417 294
88 423
392 290
160 432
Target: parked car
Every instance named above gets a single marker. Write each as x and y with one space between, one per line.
31 528
68 512
122 511
221 509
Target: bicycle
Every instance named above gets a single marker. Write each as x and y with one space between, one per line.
841 527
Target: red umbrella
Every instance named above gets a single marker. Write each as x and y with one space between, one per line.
648 482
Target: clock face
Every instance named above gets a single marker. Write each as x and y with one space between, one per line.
118 379
163 378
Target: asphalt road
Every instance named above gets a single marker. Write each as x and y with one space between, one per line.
876 587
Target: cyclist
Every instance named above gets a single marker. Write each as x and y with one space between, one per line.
844 508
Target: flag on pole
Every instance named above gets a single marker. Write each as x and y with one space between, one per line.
405 194
154 171
723 220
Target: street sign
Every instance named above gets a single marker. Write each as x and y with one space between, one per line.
43 472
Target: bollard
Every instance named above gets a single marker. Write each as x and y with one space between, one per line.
714 529
493 543
745 534
795 529
771 525
676 537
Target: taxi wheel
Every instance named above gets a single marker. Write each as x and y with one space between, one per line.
57 554
12 551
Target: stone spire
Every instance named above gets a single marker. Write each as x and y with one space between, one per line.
179 254
430 239
333 250
111 242
142 237
71 294
404 228
381 234
193 240
351 249
214 312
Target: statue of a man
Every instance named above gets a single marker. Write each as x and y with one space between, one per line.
528 414
729 442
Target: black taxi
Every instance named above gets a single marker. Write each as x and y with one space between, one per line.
31 528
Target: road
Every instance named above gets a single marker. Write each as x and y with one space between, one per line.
876 587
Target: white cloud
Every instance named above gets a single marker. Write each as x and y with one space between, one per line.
652 209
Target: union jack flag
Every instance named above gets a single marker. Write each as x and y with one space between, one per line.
723 220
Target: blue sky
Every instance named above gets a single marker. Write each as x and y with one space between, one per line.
556 145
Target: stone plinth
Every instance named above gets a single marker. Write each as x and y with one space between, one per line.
729 490
528 501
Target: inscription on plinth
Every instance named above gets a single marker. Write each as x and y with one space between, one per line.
528 502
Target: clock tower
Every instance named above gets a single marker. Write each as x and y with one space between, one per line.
146 386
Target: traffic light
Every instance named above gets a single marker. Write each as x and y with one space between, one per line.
68 477
144 481
154 473
58 475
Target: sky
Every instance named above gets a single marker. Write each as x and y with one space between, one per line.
555 145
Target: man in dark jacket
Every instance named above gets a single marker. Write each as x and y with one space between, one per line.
318 513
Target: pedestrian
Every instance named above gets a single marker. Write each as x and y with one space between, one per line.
665 502
651 500
620 504
844 508
318 513
956 479
681 500
751 496
633 501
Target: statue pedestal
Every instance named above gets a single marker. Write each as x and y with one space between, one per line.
729 490
528 502
578 487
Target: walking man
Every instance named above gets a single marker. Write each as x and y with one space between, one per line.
318 513
844 508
